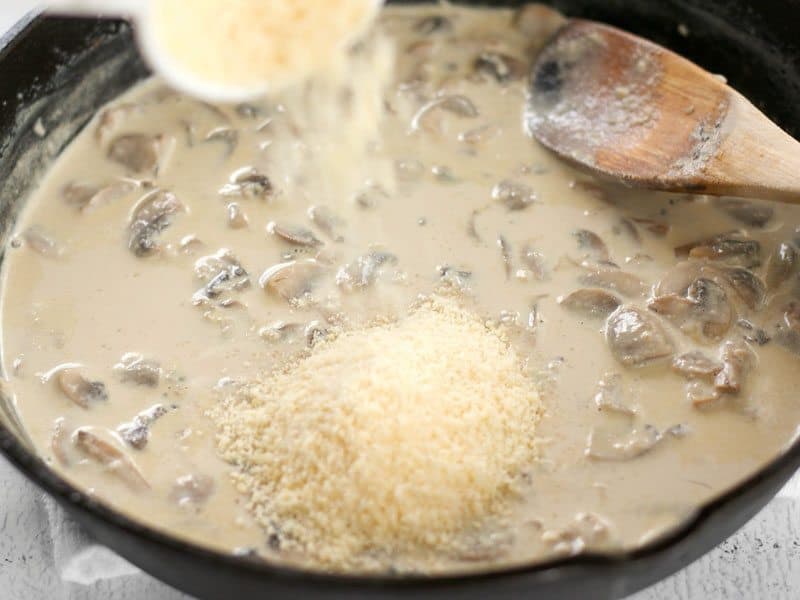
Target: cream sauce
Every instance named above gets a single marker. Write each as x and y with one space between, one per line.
82 289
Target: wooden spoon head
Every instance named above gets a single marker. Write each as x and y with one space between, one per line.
626 108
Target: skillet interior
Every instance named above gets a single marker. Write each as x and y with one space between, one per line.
61 70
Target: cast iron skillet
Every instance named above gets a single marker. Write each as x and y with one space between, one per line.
48 69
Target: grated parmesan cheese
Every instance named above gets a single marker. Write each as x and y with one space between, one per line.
394 440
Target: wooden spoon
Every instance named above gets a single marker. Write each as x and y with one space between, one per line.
629 109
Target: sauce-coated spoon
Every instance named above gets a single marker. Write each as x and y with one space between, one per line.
631 110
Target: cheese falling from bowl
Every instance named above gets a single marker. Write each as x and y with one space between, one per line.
255 44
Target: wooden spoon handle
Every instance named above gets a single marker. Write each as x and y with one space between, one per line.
756 159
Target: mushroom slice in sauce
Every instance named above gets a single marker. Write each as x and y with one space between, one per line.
151 215
787 331
192 489
78 194
748 286
593 302
696 365
222 274
453 276
137 432
500 67
426 117
137 152
609 395
636 337
247 183
607 446
110 456
592 245
513 194
135 368
433 24
727 248
41 242
781 265
292 279
365 270
112 193
58 441
225 135
294 234
616 280
237 219
279 331
534 262
737 360
705 313
505 253
327 221
749 213
80 390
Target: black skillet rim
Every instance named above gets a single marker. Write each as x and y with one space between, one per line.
37 471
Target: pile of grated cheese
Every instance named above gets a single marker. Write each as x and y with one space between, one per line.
252 42
387 441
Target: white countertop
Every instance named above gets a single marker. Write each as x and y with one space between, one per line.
760 561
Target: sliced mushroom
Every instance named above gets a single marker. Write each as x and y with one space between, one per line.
41 242
657 228
513 194
294 234
737 361
500 67
225 135
753 334
222 273
111 457
151 215
247 183
112 193
428 117
78 194
327 221
727 248
137 152
137 432
505 253
636 337
110 120
80 390
237 219
279 331
592 302
748 286
433 24
58 442
629 228
607 446
534 262
609 395
192 489
364 271
371 196
749 213
787 330
455 277
705 313
292 279
696 365
781 265
135 368
592 245
616 280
